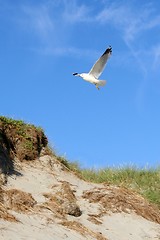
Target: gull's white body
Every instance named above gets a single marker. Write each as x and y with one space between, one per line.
96 70
90 78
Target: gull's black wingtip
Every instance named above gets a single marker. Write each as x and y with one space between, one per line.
110 47
108 50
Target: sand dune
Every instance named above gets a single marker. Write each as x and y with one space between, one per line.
44 200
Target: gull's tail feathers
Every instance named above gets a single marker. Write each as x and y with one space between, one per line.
101 83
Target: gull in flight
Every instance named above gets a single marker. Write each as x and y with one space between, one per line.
96 70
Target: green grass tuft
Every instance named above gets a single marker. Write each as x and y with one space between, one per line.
73 166
144 181
20 125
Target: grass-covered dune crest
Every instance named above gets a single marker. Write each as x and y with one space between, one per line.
25 141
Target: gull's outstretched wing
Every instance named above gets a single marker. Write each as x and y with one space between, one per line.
98 67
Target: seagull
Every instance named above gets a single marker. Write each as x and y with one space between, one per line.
96 70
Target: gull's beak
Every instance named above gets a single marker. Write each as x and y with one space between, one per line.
74 74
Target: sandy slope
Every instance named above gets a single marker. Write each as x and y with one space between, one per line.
58 193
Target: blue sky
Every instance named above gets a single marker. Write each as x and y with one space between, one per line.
43 42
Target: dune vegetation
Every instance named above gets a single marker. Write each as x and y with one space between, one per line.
25 141
145 181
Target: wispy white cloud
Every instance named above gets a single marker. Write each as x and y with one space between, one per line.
129 21
74 12
133 24
71 51
136 26
38 19
52 23
156 54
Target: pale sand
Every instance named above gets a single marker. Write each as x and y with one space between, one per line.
44 176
